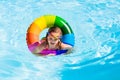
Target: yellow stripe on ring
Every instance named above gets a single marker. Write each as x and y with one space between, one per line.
41 22
50 20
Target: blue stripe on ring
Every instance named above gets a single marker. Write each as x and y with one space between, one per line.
68 39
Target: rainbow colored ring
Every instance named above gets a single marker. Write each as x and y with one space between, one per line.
47 21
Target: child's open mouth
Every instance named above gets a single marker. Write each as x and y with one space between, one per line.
52 43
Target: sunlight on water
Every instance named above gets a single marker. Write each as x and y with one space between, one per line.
96 55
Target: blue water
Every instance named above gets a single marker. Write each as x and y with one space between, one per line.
96 55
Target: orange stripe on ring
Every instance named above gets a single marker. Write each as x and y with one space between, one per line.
32 38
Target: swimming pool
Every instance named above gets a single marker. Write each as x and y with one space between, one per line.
96 55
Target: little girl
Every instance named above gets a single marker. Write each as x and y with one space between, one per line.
52 41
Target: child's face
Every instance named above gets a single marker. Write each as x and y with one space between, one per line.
53 39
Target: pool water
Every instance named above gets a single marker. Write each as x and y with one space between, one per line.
96 54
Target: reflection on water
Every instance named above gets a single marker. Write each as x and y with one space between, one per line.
96 55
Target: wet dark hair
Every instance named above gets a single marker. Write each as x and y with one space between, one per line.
53 29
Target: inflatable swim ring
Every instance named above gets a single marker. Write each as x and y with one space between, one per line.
47 21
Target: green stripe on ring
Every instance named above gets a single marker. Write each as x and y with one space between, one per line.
63 25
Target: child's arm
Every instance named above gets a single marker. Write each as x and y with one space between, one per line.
40 47
66 46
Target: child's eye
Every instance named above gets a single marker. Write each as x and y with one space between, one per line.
55 39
